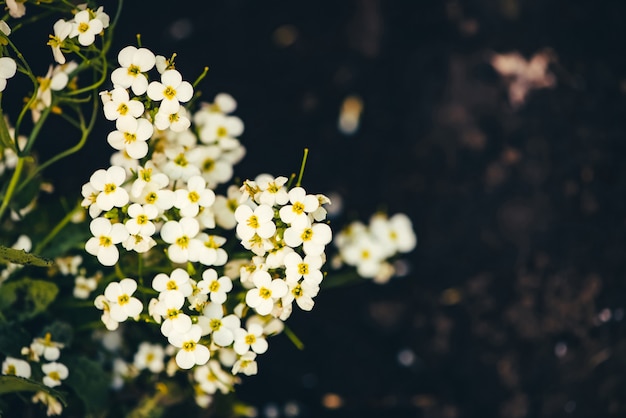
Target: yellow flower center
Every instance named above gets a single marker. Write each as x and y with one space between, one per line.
183 242
253 222
250 339
194 197
208 164
181 160
189 346
172 313
151 197
105 241
214 286
145 174
133 70
221 131
307 234
54 375
169 92
142 219
265 293
11 370
298 207
171 285
122 109
109 188
303 268
129 137
123 299
297 291
83 27
215 324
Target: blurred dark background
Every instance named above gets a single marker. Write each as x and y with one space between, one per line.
514 303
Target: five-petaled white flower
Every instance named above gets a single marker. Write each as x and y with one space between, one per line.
171 91
105 237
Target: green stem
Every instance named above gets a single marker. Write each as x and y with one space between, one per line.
306 154
294 338
12 186
66 219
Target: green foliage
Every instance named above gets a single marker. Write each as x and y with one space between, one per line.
90 383
10 384
25 298
14 256
12 338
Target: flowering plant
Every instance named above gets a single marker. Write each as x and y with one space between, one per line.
167 277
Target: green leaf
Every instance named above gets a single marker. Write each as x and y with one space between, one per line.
22 257
12 338
10 384
89 381
26 298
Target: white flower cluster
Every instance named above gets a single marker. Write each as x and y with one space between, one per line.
158 199
52 372
369 247
83 28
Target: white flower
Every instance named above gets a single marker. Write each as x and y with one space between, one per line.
221 328
196 195
225 206
395 233
140 219
301 204
214 166
303 292
250 338
312 238
169 307
273 192
259 221
211 253
131 136
171 91
246 364
212 378
177 121
8 68
308 268
108 183
86 28
191 352
217 288
62 30
221 129
50 350
54 405
139 243
68 265
121 105
16 8
178 281
266 291
105 237
54 373
121 303
177 166
83 286
181 234
134 62
16 367
103 304
149 356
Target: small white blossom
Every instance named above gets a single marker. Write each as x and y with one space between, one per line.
108 183
86 28
54 373
16 367
265 293
178 281
171 91
134 63
121 303
246 364
252 338
181 237
131 136
191 352
120 105
150 356
104 240
217 288
301 204
8 68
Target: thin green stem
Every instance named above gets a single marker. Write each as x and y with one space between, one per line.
6 200
294 338
62 223
306 154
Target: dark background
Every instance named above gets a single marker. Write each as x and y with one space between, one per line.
513 306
